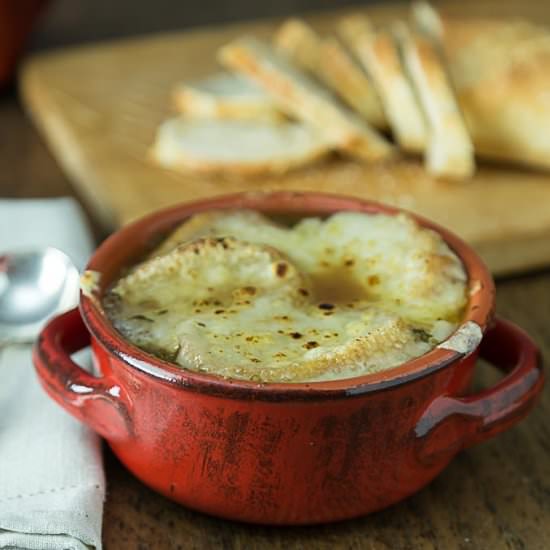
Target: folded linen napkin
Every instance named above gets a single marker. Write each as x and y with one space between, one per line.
52 483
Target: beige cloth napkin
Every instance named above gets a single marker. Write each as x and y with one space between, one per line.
52 484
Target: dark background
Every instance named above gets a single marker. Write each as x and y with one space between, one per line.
75 21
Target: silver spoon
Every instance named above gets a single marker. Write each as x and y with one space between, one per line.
34 286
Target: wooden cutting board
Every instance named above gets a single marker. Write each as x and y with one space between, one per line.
98 107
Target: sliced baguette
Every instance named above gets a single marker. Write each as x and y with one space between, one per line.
379 55
299 42
225 95
450 152
340 72
426 20
329 62
351 27
242 147
499 69
301 97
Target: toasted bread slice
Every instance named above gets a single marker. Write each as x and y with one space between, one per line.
378 53
329 62
340 72
243 147
225 95
450 152
301 97
351 27
499 70
427 20
298 41
215 223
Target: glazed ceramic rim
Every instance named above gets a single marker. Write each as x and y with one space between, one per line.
480 307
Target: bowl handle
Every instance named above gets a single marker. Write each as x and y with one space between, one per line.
97 401
454 423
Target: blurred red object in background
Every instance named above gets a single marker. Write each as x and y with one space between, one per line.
17 18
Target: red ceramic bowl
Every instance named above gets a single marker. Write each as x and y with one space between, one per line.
285 453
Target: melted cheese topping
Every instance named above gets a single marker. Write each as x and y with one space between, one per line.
235 294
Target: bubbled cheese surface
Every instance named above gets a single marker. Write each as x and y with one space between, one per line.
235 294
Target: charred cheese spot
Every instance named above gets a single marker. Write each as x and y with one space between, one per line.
373 280
311 344
281 269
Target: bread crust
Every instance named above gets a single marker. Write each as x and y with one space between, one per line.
224 96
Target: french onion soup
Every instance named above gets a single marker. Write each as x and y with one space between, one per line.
236 294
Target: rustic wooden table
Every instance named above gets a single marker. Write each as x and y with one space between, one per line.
494 496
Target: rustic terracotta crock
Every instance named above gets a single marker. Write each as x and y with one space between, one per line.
284 453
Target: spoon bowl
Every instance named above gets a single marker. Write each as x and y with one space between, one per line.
34 286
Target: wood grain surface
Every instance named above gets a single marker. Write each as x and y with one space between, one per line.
494 496
98 107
